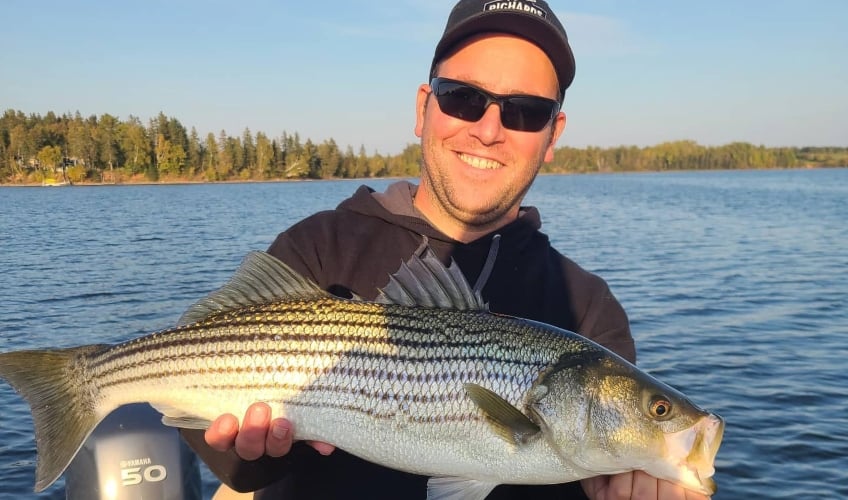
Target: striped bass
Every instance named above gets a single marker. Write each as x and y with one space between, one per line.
424 379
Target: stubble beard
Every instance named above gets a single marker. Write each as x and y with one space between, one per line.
480 216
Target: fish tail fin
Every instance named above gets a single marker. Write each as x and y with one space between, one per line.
63 404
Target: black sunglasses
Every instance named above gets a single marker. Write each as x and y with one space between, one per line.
526 113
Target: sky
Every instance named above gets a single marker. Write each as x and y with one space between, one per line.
770 72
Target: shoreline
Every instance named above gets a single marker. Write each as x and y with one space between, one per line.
176 182
271 181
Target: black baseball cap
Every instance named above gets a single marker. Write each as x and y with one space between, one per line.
530 19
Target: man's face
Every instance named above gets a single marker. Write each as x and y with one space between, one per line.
476 173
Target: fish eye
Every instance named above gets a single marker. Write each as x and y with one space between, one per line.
660 407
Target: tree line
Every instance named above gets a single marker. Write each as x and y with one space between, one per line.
78 149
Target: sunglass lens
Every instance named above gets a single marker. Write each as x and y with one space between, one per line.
525 113
461 101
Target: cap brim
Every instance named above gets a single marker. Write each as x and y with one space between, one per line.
529 27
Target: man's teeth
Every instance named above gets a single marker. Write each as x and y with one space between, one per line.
477 162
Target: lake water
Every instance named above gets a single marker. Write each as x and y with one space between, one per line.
736 284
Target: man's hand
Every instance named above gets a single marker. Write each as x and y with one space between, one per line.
636 485
259 435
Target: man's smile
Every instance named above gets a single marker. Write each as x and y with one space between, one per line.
479 162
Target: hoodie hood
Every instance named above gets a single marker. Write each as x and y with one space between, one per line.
509 243
395 205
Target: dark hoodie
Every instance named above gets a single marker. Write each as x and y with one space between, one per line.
355 248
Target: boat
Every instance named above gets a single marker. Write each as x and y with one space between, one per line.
131 455
55 183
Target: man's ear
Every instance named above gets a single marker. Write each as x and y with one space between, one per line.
421 100
558 128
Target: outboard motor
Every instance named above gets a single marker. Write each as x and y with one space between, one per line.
131 455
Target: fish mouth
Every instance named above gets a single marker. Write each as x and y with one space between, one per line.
695 468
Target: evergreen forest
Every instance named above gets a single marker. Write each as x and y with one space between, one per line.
105 149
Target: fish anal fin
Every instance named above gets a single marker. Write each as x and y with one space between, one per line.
457 488
173 417
506 420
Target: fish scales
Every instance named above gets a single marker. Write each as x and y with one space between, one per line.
313 354
343 371
443 389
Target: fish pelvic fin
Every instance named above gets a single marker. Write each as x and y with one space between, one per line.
64 412
505 419
457 488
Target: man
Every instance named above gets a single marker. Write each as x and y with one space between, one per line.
488 119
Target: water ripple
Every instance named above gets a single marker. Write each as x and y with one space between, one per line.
735 284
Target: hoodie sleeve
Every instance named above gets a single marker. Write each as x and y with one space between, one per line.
239 474
606 323
597 314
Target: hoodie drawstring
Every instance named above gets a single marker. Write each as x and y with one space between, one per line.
487 267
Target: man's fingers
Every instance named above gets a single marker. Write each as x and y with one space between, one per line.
635 484
221 435
278 442
259 435
250 441
646 486
322 448
620 486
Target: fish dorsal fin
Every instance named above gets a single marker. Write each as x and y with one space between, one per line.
505 419
424 281
261 278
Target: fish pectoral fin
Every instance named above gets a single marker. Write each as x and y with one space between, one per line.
506 420
457 488
174 417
